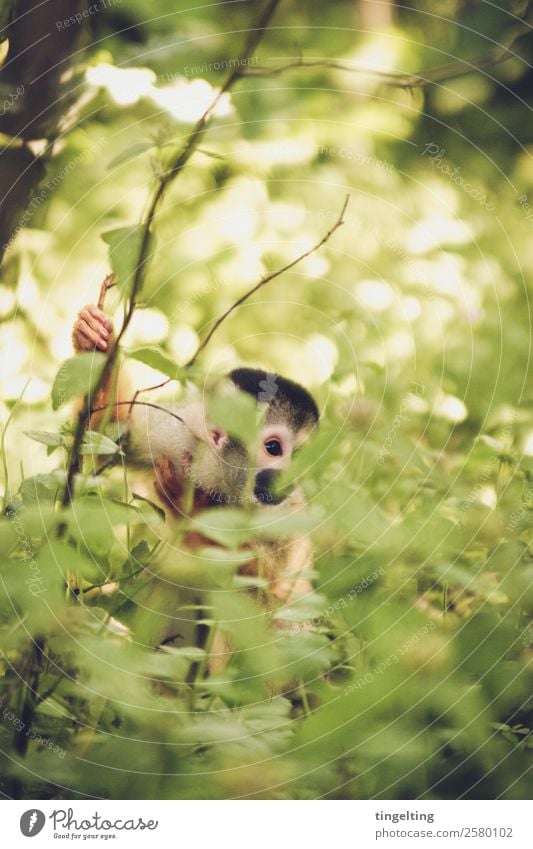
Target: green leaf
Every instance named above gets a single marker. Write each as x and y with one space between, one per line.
96 443
45 437
227 527
188 652
54 707
222 557
246 582
211 154
139 556
39 489
303 609
157 359
59 559
232 527
156 507
238 416
209 568
124 253
305 654
77 376
93 511
129 153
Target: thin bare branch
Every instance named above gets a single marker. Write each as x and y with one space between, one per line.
245 297
268 279
134 403
108 283
152 388
440 74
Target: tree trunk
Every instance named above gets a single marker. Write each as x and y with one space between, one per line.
38 89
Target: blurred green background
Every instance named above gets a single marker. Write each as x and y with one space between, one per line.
412 328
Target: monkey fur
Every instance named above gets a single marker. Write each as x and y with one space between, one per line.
184 449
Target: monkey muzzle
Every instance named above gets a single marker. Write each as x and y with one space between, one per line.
265 489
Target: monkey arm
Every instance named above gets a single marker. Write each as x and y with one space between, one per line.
94 331
295 560
170 484
150 438
110 401
292 583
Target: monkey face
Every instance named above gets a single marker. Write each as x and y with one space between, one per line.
290 414
229 471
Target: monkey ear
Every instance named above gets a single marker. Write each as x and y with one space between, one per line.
218 437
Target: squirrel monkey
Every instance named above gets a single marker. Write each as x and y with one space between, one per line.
183 448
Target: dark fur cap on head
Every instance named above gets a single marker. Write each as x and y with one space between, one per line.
282 395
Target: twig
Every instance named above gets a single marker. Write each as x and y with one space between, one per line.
22 735
193 140
113 581
442 73
265 280
136 404
243 298
108 283
140 391
130 404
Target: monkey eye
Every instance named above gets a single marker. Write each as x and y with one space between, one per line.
273 447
